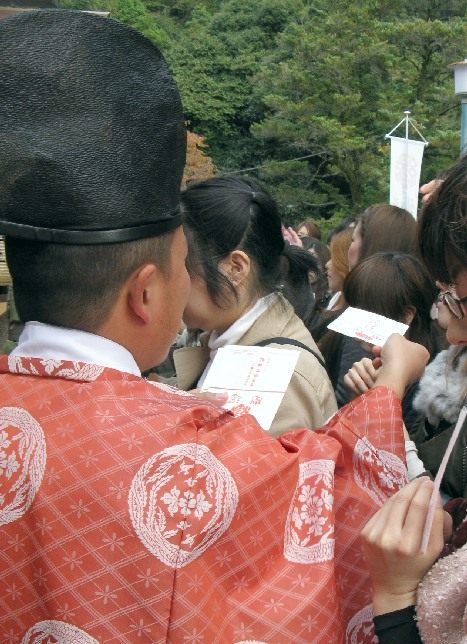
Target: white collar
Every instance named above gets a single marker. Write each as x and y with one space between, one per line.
46 341
236 330
333 301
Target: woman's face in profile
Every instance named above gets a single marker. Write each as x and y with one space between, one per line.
335 279
456 331
355 247
200 311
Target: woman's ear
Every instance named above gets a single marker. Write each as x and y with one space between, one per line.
409 313
236 267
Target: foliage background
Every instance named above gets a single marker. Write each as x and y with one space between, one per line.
300 93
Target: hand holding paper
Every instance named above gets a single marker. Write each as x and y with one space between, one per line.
403 362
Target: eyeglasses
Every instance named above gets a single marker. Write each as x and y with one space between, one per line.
454 304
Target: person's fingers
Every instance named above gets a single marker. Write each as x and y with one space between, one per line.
366 346
388 523
447 526
366 371
427 189
218 398
285 234
401 521
412 531
349 384
426 198
294 239
375 350
361 376
358 384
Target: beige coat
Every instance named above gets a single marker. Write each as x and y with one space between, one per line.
309 400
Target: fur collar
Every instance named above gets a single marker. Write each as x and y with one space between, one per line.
443 387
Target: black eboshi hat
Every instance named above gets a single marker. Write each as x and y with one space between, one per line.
92 136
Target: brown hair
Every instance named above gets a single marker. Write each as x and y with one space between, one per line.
339 251
312 228
442 232
391 283
77 286
386 228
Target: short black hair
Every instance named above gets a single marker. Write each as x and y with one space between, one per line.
76 286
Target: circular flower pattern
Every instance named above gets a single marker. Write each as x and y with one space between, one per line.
22 462
377 472
309 531
180 502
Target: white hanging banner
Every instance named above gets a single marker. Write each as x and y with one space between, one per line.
406 164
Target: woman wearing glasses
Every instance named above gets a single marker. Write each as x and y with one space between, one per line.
443 392
457 308
393 536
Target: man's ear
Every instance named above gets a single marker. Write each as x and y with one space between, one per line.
141 292
236 266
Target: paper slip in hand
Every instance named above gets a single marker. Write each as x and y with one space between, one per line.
255 379
366 326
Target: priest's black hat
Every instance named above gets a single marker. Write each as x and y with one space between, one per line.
92 135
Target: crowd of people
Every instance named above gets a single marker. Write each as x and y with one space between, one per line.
132 508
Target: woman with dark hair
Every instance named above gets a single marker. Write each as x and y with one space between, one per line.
382 227
238 263
399 287
317 248
317 278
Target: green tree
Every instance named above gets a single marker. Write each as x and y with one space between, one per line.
340 79
131 12
302 93
215 56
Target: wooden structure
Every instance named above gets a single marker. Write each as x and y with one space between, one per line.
5 279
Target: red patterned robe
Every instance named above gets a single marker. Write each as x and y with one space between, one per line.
130 512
